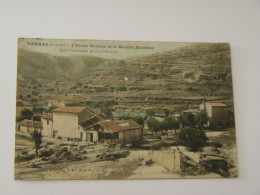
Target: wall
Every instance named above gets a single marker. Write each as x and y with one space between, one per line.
47 128
170 159
66 124
129 136
219 115
28 129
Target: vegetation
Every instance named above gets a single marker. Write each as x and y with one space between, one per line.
121 88
46 153
21 158
160 146
115 156
27 114
187 120
150 113
139 143
194 139
218 166
139 119
201 119
37 137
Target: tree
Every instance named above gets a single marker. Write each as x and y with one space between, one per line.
194 139
201 119
187 119
166 112
154 125
107 111
139 119
172 123
37 137
150 113
27 114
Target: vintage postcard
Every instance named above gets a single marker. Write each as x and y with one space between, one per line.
90 109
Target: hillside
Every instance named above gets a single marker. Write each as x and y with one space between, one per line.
200 69
41 68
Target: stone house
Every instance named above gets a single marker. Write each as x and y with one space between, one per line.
66 122
22 105
29 126
47 124
217 113
119 131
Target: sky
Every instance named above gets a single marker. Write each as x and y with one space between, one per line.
105 49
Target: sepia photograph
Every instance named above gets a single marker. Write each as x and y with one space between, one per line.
97 110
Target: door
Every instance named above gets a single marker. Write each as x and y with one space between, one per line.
91 137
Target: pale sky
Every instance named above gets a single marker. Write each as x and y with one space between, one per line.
100 48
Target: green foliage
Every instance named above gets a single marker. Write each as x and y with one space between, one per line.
35 93
154 124
37 137
107 111
201 118
115 156
150 113
27 114
101 89
218 166
46 153
187 119
40 109
63 151
121 88
139 119
50 89
139 143
171 123
194 139
21 158
160 146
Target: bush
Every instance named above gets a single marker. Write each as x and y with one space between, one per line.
219 166
21 158
118 155
194 139
46 153
160 145
138 144
121 88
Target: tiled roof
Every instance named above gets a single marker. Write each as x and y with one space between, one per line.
191 110
217 104
31 123
93 121
70 109
47 115
119 125
56 103
20 102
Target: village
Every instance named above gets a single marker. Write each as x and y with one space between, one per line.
104 144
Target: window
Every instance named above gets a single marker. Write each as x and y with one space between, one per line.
47 122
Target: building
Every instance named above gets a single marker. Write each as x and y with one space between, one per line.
217 113
22 105
29 126
47 124
82 123
119 131
55 103
191 110
66 122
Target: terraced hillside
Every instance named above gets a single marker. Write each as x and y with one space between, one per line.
202 69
